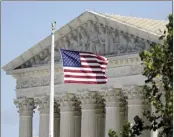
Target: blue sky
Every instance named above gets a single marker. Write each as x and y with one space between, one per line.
26 23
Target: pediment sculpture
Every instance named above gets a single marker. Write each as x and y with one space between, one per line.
92 37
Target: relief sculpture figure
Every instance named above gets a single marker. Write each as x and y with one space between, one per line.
83 39
48 58
147 45
93 35
42 56
58 45
73 40
123 43
102 39
139 44
66 42
131 44
114 41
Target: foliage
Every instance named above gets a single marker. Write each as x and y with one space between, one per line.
158 68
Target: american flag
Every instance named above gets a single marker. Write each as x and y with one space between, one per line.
83 67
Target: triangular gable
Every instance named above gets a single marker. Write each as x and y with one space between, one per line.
129 25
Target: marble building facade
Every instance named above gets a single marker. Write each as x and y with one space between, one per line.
86 110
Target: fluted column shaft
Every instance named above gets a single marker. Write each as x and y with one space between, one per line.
100 122
113 120
43 103
67 102
56 120
26 107
88 108
77 122
88 123
136 106
154 133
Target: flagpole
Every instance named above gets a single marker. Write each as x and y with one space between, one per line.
51 116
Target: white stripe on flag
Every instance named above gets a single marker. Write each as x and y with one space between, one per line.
91 59
76 68
83 74
85 79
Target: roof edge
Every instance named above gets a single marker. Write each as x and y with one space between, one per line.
73 24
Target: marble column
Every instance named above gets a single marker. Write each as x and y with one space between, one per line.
123 112
88 108
67 107
136 105
56 120
77 122
100 120
43 103
113 119
154 133
26 106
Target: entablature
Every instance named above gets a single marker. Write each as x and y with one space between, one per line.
121 63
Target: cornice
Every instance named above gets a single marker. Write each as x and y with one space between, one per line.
44 80
114 62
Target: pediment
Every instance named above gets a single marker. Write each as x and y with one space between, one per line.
88 32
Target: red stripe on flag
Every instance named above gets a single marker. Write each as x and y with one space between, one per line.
90 77
88 56
94 61
90 66
84 82
99 67
101 58
82 71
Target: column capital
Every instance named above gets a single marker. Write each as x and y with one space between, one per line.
77 108
25 105
90 99
56 110
67 101
113 98
43 103
134 94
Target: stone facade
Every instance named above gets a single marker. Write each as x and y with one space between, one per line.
81 114
83 110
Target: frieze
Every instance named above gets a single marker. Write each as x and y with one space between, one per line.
37 81
125 71
92 37
45 80
33 72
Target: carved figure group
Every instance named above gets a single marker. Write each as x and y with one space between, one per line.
93 37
